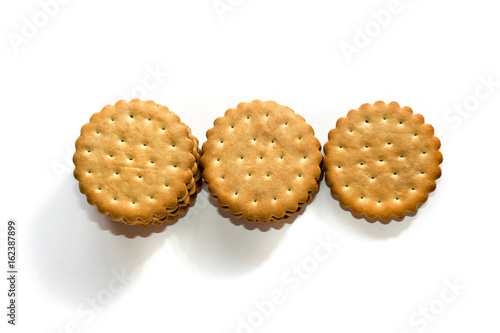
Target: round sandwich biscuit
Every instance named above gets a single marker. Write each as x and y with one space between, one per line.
261 161
137 162
382 161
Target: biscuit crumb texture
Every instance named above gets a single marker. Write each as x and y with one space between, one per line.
382 161
137 162
261 161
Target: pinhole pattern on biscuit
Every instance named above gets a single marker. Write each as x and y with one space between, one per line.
382 160
261 161
135 161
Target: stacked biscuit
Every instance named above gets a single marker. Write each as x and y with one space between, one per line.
138 163
262 162
382 161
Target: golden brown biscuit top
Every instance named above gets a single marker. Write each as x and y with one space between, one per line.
134 159
382 160
261 160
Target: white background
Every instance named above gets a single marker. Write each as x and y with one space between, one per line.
205 274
